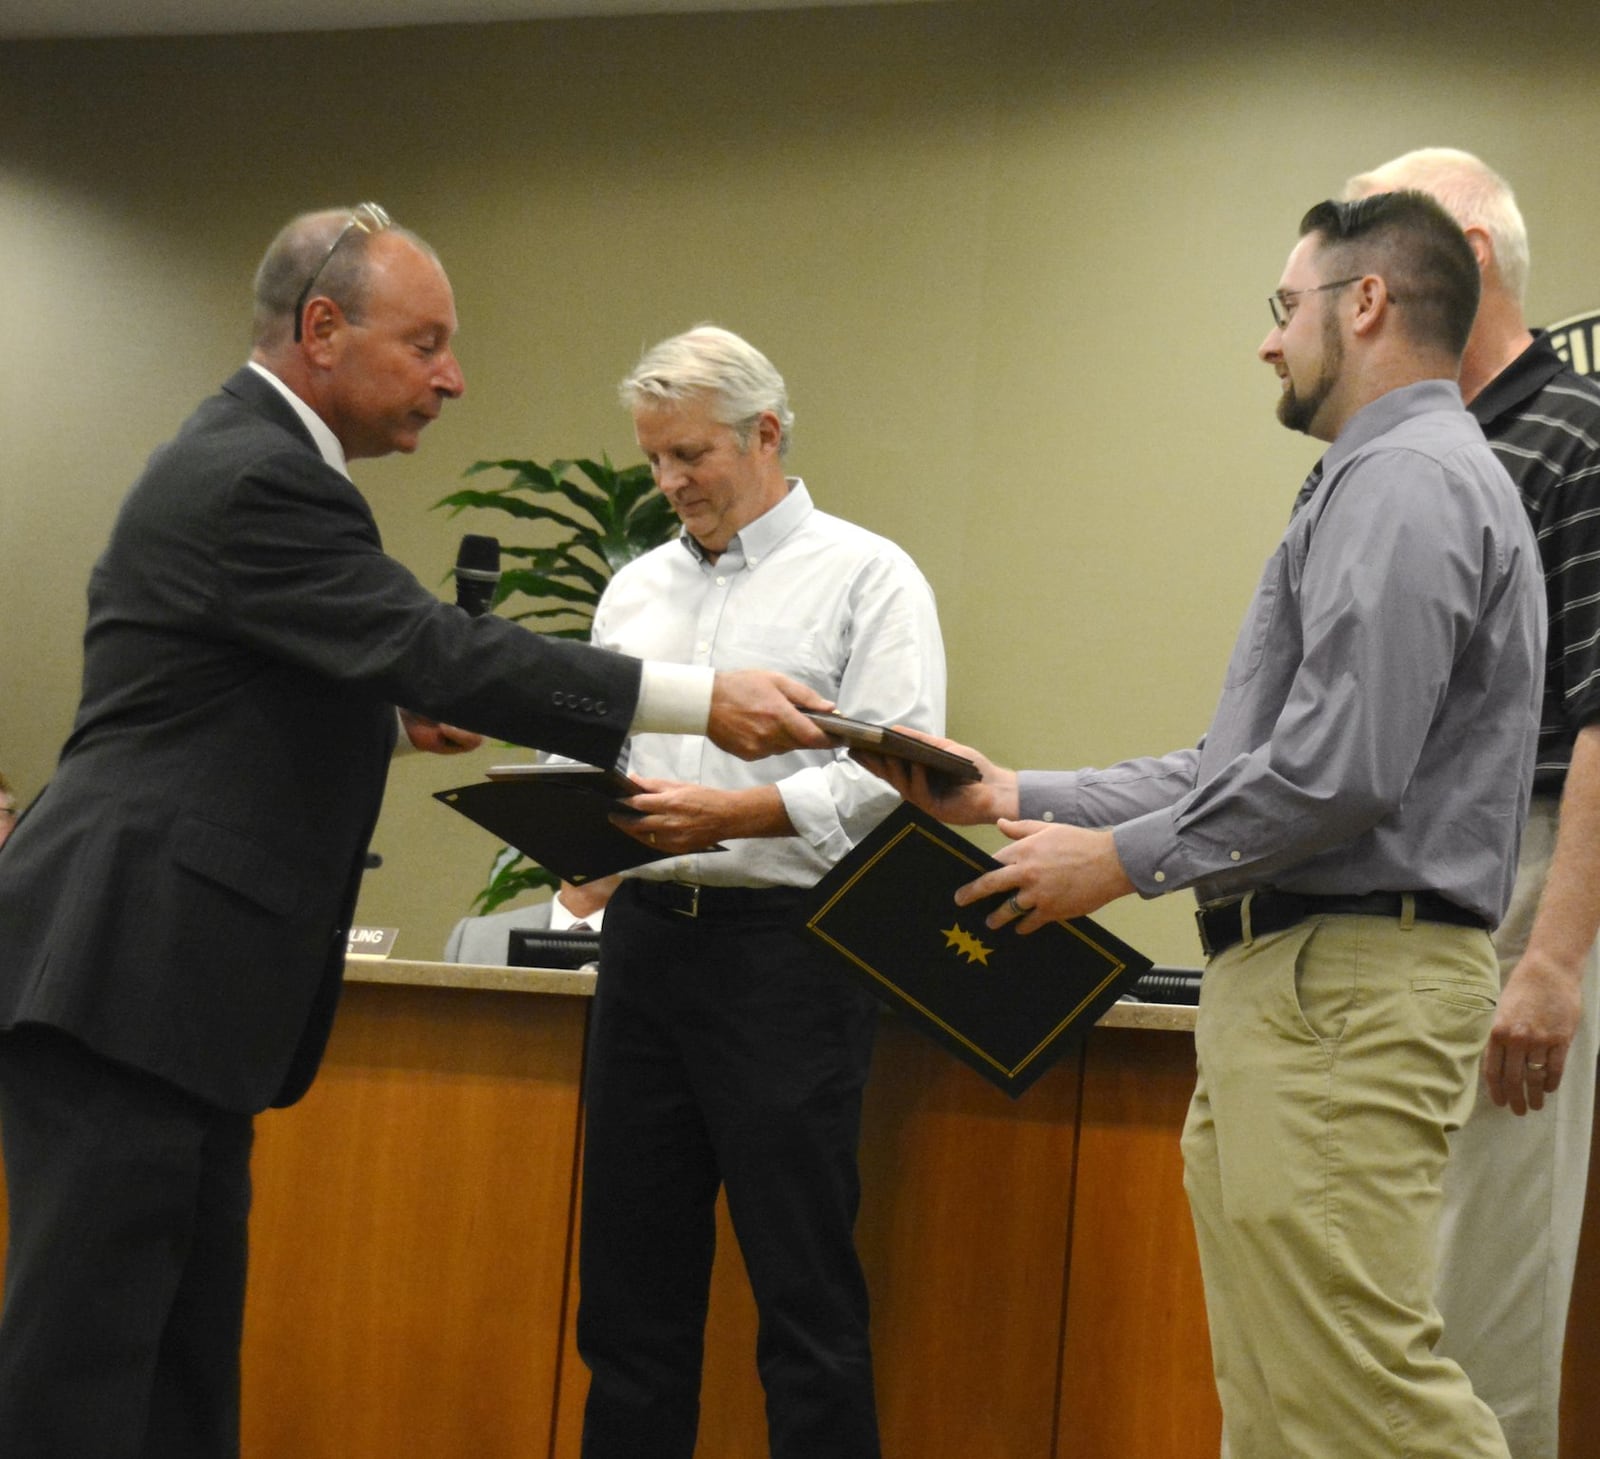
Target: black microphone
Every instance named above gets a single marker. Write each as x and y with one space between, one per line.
477 573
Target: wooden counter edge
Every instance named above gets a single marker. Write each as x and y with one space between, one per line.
1176 1018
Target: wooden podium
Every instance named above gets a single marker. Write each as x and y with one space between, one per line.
1035 1289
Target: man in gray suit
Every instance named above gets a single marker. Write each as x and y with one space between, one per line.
173 907
486 940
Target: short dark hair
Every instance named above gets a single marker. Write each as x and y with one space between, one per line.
1418 250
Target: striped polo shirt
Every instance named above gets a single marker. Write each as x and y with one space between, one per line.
1543 421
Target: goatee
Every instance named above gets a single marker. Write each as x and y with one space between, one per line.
1299 411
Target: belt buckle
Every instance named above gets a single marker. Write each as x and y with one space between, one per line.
1200 926
693 909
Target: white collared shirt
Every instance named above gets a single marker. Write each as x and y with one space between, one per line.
819 599
563 919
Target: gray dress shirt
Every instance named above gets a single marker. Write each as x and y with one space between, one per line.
1378 721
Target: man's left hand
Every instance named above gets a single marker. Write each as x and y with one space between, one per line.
1053 872
679 817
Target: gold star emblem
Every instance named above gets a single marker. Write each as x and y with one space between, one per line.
965 943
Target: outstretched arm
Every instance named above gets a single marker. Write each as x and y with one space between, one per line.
756 712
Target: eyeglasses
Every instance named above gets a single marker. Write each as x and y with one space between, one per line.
1282 306
375 221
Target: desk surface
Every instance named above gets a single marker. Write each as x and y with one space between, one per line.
580 984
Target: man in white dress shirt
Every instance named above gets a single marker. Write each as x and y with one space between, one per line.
724 1049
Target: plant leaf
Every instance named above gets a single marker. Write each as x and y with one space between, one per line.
546 585
492 501
525 473
511 874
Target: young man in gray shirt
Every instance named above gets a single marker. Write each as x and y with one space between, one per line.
1350 825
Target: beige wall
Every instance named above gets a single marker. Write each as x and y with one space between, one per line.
1012 260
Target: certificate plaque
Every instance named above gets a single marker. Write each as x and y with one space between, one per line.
1007 1004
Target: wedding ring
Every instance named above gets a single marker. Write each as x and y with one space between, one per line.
652 837
1017 909
1531 1065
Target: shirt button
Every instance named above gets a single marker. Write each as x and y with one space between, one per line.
1160 876
722 582
1233 856
1048 816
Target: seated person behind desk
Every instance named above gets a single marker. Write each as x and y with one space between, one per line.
487 940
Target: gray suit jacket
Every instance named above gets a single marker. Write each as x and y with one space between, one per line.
178 896
487 939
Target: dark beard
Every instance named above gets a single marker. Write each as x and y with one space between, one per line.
1298 411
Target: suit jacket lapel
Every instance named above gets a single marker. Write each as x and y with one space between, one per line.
246 386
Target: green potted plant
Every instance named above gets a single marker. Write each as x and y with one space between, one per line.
605 517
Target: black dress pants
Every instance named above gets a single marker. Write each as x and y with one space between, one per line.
125 1270
723 1051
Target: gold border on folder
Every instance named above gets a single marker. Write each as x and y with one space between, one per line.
1116 965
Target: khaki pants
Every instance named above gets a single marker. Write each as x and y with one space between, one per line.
1334 1058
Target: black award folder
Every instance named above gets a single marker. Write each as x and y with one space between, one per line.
1008 1005
557 815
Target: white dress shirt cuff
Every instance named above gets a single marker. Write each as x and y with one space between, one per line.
674 699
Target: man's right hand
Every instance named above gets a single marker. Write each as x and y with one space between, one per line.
756 712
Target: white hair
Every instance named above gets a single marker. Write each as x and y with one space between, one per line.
715 362
1471 191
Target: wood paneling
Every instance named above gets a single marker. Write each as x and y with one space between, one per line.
1136 1361
1580 1369
410 1232
965 1210
1036 1293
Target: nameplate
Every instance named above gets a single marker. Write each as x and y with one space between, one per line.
371 941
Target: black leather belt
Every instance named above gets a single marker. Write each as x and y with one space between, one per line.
697 901
1274 911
